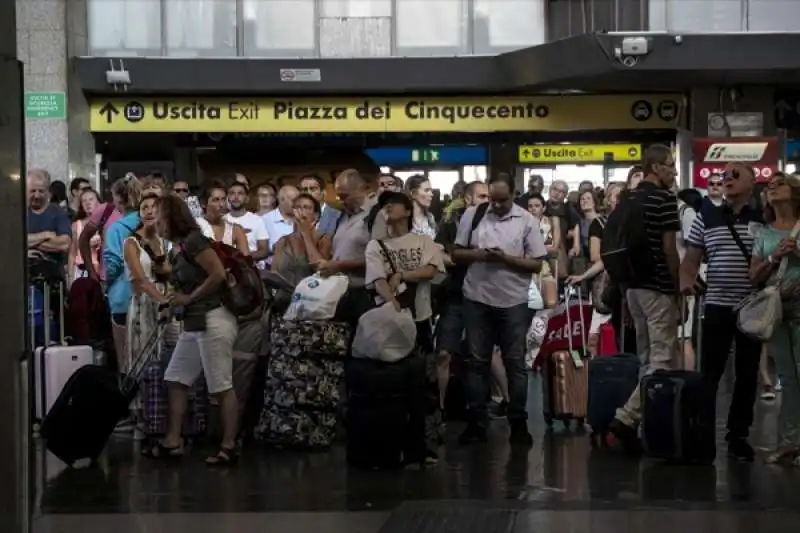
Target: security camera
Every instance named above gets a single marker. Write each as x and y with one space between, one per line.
118 77
635 46
630 61
627 60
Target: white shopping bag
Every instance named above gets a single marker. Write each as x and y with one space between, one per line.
316 298
385 334
535 337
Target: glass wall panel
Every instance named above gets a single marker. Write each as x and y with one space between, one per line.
123 28
503 25
701 16
279 28
356 8
201 28
431 27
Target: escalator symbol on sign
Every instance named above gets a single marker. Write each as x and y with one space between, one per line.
134 112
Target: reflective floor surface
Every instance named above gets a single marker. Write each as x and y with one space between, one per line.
560 484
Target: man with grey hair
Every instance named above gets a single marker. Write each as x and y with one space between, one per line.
49 232
280 221
359 222
49 237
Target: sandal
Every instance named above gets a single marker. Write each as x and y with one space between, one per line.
164 453
784 454
223 457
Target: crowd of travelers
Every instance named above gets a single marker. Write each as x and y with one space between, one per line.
471 263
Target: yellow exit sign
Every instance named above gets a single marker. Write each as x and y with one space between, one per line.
579 153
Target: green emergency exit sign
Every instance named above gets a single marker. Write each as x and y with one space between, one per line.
425 155
45 105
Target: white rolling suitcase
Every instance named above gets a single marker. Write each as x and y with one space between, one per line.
55 362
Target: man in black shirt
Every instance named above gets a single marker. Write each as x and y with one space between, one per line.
652 298
450 327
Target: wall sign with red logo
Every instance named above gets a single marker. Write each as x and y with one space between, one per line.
711 155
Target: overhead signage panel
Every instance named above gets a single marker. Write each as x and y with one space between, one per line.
579 153
429 155
711 155
376 115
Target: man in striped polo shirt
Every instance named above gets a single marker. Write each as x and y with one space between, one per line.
652 298
724 234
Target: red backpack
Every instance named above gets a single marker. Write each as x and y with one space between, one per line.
88 320
244 291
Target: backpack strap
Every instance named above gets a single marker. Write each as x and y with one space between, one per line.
107 212
155 258
480 212
388 256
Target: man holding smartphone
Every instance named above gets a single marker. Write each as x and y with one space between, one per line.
503 246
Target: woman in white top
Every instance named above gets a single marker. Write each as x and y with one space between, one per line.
421 192
146 266
213 224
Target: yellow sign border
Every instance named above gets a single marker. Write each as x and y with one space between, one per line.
385 115
621 153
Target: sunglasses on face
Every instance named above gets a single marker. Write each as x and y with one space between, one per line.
731 175
180 190
715 183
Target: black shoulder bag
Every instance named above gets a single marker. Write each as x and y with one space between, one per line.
408 297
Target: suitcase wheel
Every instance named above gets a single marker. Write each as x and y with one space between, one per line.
601 439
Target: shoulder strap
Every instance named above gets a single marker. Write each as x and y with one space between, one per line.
735 234
371 216
109 209
480 212
146 247
602 221
388 256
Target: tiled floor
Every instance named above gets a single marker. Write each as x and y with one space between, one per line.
281 491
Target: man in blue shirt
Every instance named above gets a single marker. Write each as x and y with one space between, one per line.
315 186
49 230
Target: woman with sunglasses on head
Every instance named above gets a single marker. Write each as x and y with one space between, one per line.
774 244
214 203
209 331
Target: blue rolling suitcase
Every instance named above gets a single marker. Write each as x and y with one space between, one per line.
675 426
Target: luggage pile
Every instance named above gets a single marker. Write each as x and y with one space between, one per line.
304 383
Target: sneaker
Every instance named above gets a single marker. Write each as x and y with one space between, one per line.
498 410
125 427
473 434
740 449
768 393
519 433
626 435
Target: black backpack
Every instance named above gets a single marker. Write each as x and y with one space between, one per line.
625 247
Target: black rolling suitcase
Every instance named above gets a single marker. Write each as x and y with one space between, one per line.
674 406
90 406
385 412
612 380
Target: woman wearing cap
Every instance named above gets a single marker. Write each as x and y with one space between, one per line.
401 268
